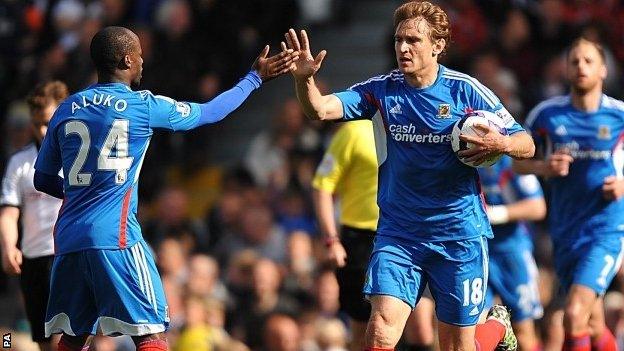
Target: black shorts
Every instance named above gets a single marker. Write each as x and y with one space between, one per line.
35 284
359 244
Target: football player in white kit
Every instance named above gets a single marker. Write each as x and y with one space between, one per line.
32 259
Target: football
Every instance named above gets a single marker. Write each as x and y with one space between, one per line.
466 126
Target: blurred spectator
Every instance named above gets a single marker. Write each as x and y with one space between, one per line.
332 335
172 220
293 213
326 291
198 333
257 232
281 333
171 260
266 299
203 279
487 68
267 157
301 261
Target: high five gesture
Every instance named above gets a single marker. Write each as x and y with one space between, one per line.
305 65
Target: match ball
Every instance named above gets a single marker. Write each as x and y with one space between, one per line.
465 126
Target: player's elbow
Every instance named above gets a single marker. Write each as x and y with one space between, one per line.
538 209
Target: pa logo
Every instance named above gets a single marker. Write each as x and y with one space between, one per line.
6 341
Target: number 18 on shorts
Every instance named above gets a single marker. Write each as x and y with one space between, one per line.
456 272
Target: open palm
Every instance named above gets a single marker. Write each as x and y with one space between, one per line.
305 65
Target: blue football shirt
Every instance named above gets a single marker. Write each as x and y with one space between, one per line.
99 137
502 186
425 193
577 209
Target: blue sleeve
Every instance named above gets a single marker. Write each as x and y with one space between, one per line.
482 98
49 159
358 102
166 113
49 184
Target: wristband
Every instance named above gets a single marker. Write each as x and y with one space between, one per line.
330 240
498 214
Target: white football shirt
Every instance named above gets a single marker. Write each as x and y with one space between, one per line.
38 210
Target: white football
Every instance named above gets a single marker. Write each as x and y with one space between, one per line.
466 126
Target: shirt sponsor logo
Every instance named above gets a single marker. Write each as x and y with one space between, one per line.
444 111
577 153
407 133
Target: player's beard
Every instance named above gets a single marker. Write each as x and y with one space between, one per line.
137 81
583 89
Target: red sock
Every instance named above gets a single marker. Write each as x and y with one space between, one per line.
152 345
605 342
577 343
488 335
377 349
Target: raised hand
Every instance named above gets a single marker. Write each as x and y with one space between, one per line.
489 144
271 67
305 65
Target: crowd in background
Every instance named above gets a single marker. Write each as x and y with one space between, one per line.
237 247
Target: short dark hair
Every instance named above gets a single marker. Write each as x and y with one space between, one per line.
45 94
109 46
584 40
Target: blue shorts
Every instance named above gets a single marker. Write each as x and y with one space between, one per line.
113 292
592 263
456 272
513 277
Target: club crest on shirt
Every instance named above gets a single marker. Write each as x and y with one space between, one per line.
444 111
604 132
183 108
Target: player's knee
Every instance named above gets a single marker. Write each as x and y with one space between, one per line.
381 331
576 316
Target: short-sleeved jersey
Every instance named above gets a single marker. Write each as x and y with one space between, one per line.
37 210
596 142
349 168
425 192
502 186
99 137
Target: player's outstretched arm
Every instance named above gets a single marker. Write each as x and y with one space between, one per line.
263 69
519 145
555 165
315 105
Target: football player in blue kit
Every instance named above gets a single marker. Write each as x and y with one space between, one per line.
432 227
582 135
511 200
104 278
